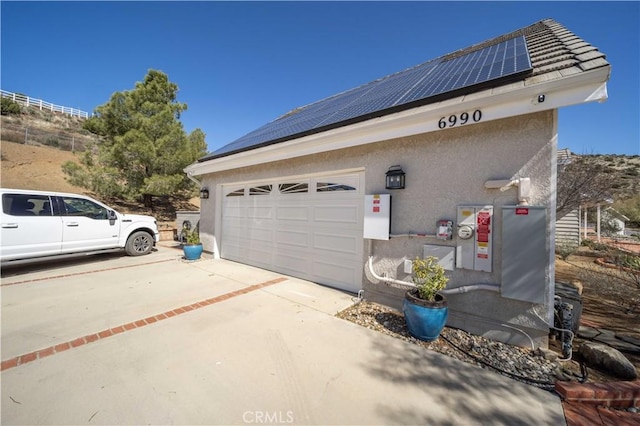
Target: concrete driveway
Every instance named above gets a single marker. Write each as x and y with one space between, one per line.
155 340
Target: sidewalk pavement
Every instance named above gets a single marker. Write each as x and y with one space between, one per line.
163 341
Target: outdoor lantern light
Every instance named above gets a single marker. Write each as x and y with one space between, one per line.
395 178
204 193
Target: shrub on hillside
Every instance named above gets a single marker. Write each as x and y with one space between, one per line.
10 107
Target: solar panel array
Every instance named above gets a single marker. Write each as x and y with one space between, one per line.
431 81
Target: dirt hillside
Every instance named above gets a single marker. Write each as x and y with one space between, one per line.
40 168
35 167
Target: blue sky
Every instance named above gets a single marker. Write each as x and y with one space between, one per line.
240 65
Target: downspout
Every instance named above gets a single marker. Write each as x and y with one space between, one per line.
191 178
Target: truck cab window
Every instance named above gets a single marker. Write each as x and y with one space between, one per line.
25 205
81 207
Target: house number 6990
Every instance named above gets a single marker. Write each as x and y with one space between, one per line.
459 119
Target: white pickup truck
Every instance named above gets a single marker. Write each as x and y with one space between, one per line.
39 224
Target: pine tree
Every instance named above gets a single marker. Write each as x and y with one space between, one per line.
143 146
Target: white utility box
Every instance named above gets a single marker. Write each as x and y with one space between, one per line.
444 254
377 216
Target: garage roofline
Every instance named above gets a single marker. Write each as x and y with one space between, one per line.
496 103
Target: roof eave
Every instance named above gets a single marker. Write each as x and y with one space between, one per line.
522 97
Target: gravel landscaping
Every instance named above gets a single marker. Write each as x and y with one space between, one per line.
537 368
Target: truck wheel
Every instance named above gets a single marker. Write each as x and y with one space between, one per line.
139 243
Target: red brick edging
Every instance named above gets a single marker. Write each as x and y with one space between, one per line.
85 272
61 347
577 414
620 394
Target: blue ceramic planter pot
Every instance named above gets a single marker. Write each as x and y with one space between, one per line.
192 251
425 320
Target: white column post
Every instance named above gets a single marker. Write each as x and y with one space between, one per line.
598 224
579 225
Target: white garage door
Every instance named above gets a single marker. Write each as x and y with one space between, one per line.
308 228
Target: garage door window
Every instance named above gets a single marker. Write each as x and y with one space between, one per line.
236 193
293 188
326 187
260 190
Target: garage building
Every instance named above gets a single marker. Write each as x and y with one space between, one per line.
474 136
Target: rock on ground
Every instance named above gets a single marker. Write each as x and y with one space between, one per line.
606 358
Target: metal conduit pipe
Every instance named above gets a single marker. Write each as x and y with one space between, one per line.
386 279
412 235
472 287
463 289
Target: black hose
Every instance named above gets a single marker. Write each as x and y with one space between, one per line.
584 372
539 383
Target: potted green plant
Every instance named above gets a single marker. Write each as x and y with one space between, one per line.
425 309
191 245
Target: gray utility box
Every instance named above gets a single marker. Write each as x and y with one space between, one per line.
524 253
570 294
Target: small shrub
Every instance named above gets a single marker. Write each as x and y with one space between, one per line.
594 245
9 107
564 250
52 142
429 277
630 261
191 236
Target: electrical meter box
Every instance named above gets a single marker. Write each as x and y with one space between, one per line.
474 238
377 216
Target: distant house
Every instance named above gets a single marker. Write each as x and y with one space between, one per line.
568 230
567 223
617 219
474 136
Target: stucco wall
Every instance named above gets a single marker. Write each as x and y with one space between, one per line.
443 169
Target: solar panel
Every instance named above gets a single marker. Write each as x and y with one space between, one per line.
446 77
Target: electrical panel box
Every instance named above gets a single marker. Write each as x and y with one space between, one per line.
474 238
377 216
524 253
445 255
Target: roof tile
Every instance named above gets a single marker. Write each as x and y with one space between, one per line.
585 57
541 78
552 47
567 72
582 47
556 65
596 63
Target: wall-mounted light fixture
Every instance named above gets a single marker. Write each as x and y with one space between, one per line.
395 178
204 193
